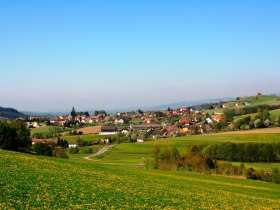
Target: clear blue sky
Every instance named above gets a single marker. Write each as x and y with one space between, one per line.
116 54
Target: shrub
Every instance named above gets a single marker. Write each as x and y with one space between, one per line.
258 123
59 152
276 175
89 150
251 174
14 136
74 150
42 149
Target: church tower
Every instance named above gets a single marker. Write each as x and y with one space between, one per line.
73 113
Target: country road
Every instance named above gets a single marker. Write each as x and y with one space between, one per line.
100 152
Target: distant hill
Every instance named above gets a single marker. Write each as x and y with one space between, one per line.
189 103
174 105
46 114
10 113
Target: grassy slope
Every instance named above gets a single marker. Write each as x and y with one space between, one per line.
274 114
83 151
48 130
85 137
135 153
260 166
48 183
261 100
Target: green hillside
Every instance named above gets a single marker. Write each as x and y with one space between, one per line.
135 153
10 113
258 100
46 131
255 101
275 114
29 182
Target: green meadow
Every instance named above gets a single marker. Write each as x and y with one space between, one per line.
85 137
117 179
48 130
34 182
255 100
274 114
135 153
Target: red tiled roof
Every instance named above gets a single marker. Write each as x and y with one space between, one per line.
185 121
39 140
147 119
218 117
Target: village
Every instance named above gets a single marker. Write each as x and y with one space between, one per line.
136 126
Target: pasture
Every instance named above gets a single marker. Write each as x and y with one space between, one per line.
136 153
48 130
85 137
29 181
274 114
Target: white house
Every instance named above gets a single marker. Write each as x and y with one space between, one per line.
120 121
225 105
125 131
209 121
247 103
72 145
237 104
108 130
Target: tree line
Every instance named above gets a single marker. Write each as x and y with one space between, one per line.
244 152
195 160
14 136
260 119
254 109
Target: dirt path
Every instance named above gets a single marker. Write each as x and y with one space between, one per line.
100 152
257 131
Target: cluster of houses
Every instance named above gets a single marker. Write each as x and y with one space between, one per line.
52 141
160 123
237 104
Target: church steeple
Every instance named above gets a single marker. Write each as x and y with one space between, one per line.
73 113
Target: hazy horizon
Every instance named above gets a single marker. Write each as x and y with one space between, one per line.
121 54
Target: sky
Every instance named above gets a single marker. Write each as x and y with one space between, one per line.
102 54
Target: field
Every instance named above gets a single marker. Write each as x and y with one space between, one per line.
86 137
84 151
259 100
275 130
134 154
29 181
259 166
48 130
274 114
117 179
90 130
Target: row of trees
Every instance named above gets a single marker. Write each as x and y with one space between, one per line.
14 136
244 152
192 160
195 160
254 109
